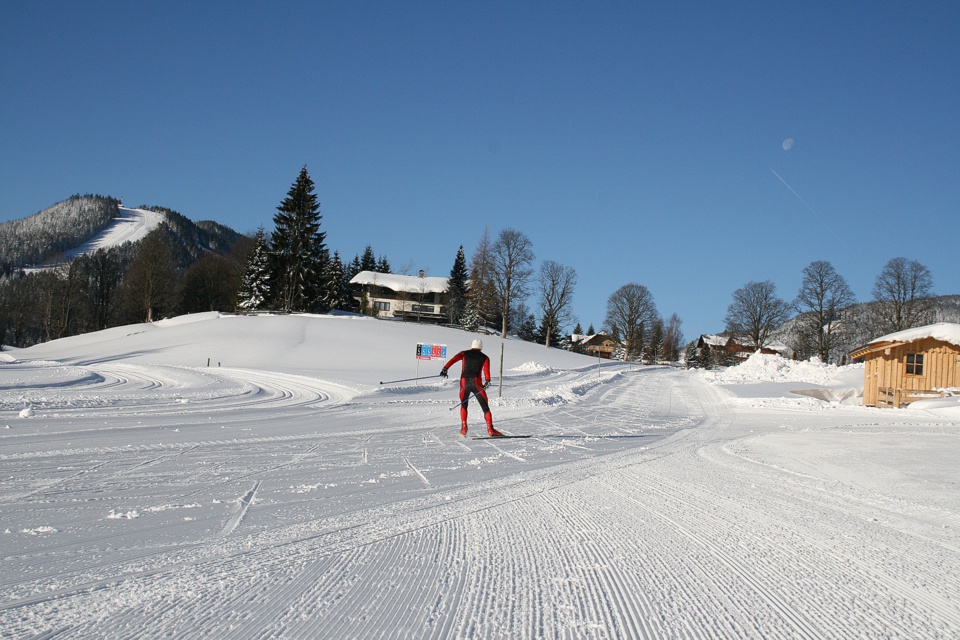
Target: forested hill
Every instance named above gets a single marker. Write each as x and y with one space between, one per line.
53 231
43 238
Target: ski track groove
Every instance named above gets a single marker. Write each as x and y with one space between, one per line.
243 505
604 545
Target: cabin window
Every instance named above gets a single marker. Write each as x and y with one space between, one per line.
382 306
914 364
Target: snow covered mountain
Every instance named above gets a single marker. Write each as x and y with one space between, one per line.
84 224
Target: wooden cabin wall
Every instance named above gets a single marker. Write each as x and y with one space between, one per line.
941 368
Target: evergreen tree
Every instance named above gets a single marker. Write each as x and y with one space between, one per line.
255 287
383 266
471 320
655 346
457 288
338 293
354 268
528 329
299 253
545 330
368 262
692 356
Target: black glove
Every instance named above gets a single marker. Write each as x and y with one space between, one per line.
443 372
487 384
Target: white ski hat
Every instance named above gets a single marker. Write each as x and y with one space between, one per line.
476 344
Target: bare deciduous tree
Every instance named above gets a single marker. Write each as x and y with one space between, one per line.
630 310
823 295
672 338
755 312
556 296
511 255
904 295
150 286
481 304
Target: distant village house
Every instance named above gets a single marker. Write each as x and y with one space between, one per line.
733 349
601 345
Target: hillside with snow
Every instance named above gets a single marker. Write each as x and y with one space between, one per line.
130 225
250 477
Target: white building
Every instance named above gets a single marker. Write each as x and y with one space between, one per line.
419 298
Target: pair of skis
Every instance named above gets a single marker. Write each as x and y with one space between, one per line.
457 406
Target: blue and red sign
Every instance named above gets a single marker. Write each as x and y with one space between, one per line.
431 351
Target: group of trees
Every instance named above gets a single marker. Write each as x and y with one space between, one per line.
501 279
109 287
829 322
292 270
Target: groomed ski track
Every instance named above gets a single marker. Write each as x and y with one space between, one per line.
642 507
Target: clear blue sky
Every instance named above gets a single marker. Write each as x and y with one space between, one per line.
635 142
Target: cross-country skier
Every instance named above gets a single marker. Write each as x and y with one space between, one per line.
475 364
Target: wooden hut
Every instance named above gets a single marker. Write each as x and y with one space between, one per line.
911 365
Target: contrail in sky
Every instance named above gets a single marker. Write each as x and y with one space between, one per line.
780 178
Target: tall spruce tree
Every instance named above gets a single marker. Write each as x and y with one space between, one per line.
255 286
368 262
457 288
299 254
338 291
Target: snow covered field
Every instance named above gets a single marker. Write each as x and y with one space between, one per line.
281 491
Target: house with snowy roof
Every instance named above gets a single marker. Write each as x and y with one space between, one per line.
419 298
601 345
910 365
737 351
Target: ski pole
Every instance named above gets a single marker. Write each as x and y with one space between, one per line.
410 379
464 401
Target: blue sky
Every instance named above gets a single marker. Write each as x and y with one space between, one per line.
635 142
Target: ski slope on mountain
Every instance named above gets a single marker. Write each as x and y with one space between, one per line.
281 491
130 226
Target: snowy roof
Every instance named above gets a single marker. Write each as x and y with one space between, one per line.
410 284
943 331
714 340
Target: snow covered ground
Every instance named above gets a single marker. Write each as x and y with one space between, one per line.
281 491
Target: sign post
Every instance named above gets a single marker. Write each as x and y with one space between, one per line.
429 352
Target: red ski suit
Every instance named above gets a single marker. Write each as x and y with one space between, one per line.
475 364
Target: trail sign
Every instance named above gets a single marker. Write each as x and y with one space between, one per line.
431 351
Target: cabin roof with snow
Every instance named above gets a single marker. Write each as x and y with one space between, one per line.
400 283
948 332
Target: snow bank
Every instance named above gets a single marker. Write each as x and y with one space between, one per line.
774 380
773 368
531 367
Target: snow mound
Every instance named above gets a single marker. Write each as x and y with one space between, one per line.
531 367
761 367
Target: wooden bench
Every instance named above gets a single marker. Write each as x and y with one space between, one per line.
897 398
